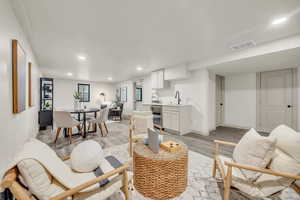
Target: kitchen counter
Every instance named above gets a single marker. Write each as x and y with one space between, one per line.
173 117
163 104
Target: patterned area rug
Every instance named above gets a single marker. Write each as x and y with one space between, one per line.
201 186
118 134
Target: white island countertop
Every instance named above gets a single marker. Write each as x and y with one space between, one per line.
165 104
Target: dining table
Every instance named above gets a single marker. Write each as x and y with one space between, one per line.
84 119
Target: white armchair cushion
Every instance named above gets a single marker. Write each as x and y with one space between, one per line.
281 162
142 120
86 156
37 179
239 180
254 150
288 141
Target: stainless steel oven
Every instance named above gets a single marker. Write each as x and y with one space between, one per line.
157 114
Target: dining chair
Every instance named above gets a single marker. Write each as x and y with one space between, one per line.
101 120
63 119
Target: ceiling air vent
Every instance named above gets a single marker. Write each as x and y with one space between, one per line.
243 45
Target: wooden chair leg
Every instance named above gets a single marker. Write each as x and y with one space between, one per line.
57 134
125 185
89 126
99 125
105 128
70 134
227 183
296 188
214 168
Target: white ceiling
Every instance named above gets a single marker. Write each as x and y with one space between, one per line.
267 62
116 36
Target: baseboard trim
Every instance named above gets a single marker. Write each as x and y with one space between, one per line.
199 132
242 127
236 126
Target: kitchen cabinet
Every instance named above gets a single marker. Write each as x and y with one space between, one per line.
171 120
176 118
157 79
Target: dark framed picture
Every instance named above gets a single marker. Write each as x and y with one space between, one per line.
139 94
124 94
47 91
19 69
84 92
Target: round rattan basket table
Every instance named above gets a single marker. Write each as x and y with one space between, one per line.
162 175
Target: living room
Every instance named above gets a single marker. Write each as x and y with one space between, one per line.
149 99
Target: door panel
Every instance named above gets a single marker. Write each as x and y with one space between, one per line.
220 83
275 98
175 120
171 120
167 120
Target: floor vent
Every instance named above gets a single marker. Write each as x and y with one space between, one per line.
243 45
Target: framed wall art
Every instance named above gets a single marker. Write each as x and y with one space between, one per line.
19 68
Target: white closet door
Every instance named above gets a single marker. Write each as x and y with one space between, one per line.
276 99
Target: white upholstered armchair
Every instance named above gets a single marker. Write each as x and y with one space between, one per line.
139 124
281 172
40 174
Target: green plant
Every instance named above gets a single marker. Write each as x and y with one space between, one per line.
47 106
76 95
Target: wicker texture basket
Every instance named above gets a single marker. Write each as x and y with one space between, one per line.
160 176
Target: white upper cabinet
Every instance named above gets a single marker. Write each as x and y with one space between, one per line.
176 73
157 79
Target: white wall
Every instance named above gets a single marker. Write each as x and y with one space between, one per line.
147 90
196 92
298 98
240 100
64 89
15 128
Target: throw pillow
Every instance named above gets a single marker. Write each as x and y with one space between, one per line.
254 150
86 156
288 141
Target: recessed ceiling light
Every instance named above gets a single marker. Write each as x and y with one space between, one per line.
279 21
139 68
109 78
69 74
81 58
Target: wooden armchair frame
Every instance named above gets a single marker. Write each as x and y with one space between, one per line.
133 140
227 178
10 182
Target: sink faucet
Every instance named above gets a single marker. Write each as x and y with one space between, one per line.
177 96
